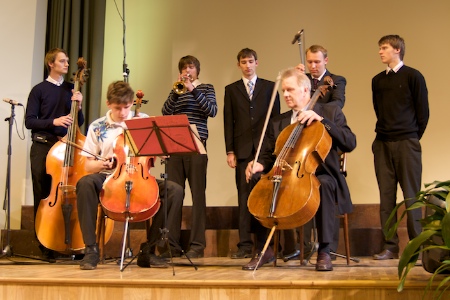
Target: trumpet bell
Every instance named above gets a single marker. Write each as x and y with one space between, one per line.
179 87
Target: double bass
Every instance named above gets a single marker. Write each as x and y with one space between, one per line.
57 225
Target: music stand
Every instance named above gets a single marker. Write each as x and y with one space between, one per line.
163 136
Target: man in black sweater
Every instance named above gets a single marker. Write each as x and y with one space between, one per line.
48 116
400 101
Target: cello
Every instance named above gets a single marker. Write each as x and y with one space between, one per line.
131 193
57 225
288 195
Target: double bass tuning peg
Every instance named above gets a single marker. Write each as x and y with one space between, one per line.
85 74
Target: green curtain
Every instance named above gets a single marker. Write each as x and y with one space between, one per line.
78 26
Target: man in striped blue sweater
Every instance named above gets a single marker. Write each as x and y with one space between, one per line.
198 102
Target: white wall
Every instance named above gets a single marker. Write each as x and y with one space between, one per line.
22 24
160 32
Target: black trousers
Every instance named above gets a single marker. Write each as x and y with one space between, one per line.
88 190
245 218
193 168
398 162
41 180
291 237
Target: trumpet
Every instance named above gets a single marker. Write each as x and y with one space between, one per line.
179 87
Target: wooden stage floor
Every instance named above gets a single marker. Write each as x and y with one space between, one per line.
215 278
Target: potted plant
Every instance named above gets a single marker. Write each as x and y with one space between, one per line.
434 238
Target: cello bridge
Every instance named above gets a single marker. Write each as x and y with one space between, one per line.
285 164
276 178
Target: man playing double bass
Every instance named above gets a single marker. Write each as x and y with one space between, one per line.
333 189
48 117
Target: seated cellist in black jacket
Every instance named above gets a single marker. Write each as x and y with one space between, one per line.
333 189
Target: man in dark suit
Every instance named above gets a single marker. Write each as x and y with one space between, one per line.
333 187
246 104
316 61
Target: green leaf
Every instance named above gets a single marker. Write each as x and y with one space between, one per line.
447 202
439 184
443 282
446 230
390 229
435 224
409 266
410 253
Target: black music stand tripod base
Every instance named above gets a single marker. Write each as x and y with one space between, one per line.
162 136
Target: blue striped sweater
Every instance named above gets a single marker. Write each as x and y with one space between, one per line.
198 105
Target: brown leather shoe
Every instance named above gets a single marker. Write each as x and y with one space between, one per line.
324 262
385 254
267 258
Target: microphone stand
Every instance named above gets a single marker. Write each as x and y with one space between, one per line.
298 39
126 71
7 251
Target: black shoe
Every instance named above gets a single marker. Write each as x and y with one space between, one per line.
194 253
48 254
167 255
241 253
146 259
91 258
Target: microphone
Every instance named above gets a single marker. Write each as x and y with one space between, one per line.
297 36
12 102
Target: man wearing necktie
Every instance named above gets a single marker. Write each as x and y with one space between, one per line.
246 104
316 61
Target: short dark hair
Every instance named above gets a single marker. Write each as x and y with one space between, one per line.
189 60
120 92
395 41
246 52
50 57
318 48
